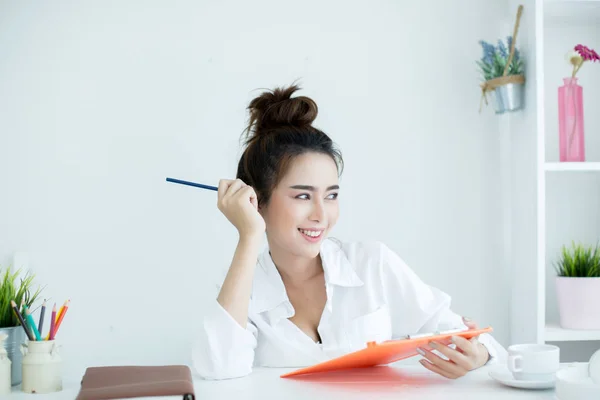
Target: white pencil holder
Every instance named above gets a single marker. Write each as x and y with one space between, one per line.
42 367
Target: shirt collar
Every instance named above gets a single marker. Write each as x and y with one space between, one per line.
269 291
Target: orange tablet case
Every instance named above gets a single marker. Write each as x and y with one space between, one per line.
385 352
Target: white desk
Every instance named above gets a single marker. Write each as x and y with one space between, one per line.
404 382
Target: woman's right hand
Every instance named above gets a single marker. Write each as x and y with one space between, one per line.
239 203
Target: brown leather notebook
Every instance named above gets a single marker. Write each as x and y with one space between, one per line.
122 382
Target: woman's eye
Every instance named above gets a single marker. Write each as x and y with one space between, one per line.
306 196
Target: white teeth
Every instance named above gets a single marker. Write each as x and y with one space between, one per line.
311 233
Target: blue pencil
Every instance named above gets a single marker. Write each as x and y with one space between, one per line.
193 184
31 324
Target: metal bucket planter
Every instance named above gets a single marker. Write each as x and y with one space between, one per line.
508 89
509 93
509 97
16 336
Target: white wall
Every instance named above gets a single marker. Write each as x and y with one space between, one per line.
519 149
99 102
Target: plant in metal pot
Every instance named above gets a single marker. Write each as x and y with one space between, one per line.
502 70
22 290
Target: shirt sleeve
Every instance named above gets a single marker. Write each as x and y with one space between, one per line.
416 307
223 349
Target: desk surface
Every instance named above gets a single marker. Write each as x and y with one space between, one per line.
404 382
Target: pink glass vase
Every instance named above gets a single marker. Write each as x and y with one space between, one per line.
570 121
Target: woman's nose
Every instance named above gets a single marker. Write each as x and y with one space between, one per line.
318 211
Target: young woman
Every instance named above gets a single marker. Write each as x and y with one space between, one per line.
308 298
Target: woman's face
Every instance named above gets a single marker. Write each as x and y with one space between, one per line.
303 206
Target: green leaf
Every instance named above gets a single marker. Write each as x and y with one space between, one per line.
486 70
578 261
496 68
12 288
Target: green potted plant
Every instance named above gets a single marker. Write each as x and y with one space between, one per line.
578 286
502 70
19 289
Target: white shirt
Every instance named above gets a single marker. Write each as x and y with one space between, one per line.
372 295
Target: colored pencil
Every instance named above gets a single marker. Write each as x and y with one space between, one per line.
52 322
60 310
20 317
56 317
41 324
193 184
32 324
60 318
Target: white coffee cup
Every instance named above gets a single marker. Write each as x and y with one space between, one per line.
594 367
533 362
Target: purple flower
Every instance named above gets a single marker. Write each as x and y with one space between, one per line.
583 54
502 49
488 52
586 53
509 40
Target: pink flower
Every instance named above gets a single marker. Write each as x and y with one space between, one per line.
586 53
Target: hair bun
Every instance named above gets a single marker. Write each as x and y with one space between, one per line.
277 107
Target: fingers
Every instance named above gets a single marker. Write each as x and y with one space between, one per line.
230 191
233 189
451 368
460 360
227 187
254 199
222 189
468 347
245 193
223 185
470 323
436 369
463 360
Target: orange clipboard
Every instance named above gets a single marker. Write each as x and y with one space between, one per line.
386 352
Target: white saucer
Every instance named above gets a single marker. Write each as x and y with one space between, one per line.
504 376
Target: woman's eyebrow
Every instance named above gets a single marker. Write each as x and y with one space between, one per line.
312 188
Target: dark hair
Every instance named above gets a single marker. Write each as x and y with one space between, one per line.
280 129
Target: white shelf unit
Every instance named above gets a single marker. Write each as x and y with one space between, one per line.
570 200
572 166
551 203
554 333
572 10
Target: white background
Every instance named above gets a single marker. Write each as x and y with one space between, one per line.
101 101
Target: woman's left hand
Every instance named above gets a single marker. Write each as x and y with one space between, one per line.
468 355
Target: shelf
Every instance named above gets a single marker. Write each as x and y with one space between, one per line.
588 10
554 333
572 166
